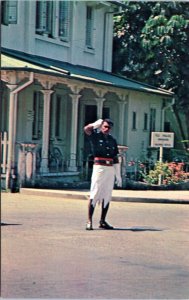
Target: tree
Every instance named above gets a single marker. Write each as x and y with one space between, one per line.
151 45
127 51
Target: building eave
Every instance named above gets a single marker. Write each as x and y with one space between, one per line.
14 60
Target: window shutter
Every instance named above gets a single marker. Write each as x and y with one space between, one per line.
145 121
12 12
9 12
64 19
134 120
44 10
38 115
49 15
39 20
89 26
152 119
58 116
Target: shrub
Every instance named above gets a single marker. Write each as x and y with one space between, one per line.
170 173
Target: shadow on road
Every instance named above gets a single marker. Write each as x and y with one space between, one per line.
136 229
9 224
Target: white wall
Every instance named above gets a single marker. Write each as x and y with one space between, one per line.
22 37
139 139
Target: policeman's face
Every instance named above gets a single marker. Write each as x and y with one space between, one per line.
105 128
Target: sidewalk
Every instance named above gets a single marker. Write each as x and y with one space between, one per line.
177 197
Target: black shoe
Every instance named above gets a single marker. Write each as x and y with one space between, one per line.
89 226
105 225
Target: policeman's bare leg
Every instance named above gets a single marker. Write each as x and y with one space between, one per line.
103 223
104 211
91 208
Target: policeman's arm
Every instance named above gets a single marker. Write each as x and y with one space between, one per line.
88 129
117 169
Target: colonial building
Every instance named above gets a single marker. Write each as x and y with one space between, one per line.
56 77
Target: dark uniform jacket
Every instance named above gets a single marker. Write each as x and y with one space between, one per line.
104 146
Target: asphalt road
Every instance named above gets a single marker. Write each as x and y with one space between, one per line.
47 253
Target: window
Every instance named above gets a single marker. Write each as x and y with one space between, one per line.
44 17
9 12
167 127
145 121
152 119
134 120
58 114
64 20
53 19
89 27
57 120
38 115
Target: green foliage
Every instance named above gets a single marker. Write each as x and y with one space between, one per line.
151 45
128 27
170 173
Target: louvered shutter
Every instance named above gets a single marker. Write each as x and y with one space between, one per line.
64 19
44 10
9 12
89 26
37 115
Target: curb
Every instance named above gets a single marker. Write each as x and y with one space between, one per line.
83 195
150 200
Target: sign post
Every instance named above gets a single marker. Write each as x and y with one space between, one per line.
161 153
162 140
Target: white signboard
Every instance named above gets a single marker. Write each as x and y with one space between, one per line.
162 139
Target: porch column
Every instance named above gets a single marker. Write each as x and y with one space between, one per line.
99 102
11 130
121 120
121 105
45 138
74 122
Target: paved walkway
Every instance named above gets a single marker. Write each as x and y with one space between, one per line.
179 197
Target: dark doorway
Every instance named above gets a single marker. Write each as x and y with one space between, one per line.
90 114
106 113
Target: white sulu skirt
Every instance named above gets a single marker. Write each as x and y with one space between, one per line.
102 183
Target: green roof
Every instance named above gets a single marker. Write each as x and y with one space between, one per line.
15 60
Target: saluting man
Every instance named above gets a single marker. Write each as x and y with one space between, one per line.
106 168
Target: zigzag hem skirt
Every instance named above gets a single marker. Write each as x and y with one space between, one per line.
102 183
